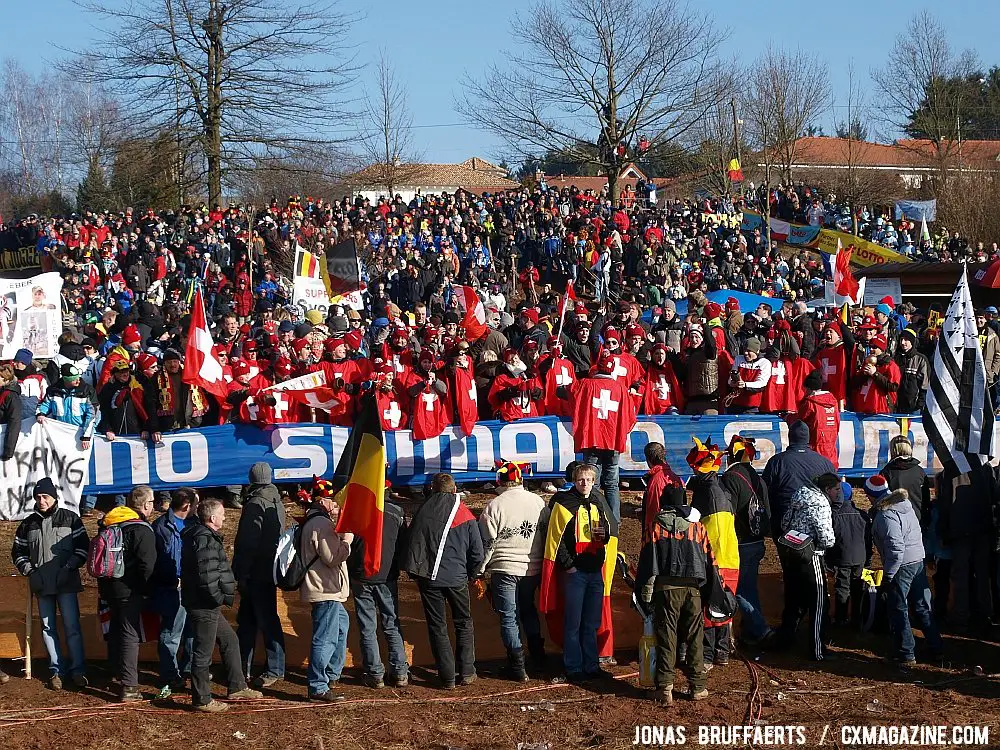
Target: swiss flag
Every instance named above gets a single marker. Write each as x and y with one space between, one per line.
201 367
844 282
475 314
321 397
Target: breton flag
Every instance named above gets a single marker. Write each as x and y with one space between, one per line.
361 476
958 415
475 314
201 367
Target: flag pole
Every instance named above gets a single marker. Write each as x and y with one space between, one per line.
565 304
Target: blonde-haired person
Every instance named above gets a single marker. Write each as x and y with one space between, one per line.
905 472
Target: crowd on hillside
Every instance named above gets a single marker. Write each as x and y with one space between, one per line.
618 347
643 280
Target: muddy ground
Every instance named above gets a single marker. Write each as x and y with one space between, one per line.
855 689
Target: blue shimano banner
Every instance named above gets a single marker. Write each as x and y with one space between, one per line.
222 455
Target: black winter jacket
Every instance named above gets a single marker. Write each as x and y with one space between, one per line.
207 581
394 535
794 467
140 561
49 548
853 531
750 503
909 475
10 417
261 524
445 546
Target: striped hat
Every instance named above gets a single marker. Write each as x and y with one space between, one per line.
876 487
508 471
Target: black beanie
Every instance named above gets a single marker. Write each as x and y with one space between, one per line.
798 433
44 486
813 381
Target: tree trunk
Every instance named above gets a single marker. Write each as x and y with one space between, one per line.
612 173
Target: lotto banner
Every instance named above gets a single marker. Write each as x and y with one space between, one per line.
30 315
798 235
222 455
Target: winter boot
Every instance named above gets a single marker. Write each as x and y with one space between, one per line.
515 665
536 652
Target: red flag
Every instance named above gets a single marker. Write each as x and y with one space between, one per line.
604 414
844 282
466 400
475 314
321 397
201 367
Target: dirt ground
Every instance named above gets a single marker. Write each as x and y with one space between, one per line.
855 689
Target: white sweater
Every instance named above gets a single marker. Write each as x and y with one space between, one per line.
513 526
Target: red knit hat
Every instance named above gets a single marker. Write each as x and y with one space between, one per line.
713 310
880 342
241 367
131 335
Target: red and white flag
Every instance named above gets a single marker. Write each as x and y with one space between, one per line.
844 282
475 314
569 295
201 367
321 397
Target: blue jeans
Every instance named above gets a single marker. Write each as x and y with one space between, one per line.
747 594
87 502
69 607
376 603
173 626
606 463
259 611
514 601
909 587
329 645
584 594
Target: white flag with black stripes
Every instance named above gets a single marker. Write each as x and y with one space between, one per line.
958 412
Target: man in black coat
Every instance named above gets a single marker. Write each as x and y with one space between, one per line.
376 600
444 552
207 585
125 595
261 524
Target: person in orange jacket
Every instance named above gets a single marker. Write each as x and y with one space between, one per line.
820 410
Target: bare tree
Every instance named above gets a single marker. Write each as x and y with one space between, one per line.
591 77
242 79
388 130
785 92
915 84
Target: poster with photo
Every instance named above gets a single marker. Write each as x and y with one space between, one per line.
31 315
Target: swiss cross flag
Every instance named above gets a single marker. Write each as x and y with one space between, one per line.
844 282
604 413
322 397
201 367
466 400
475 314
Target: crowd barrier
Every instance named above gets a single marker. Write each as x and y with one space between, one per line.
221 455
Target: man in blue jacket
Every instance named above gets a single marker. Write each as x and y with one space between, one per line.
166 590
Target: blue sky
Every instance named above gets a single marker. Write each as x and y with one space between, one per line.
432 44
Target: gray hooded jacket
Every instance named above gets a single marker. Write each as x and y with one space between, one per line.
896 532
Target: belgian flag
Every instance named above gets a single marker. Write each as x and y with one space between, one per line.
361 476
551 601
